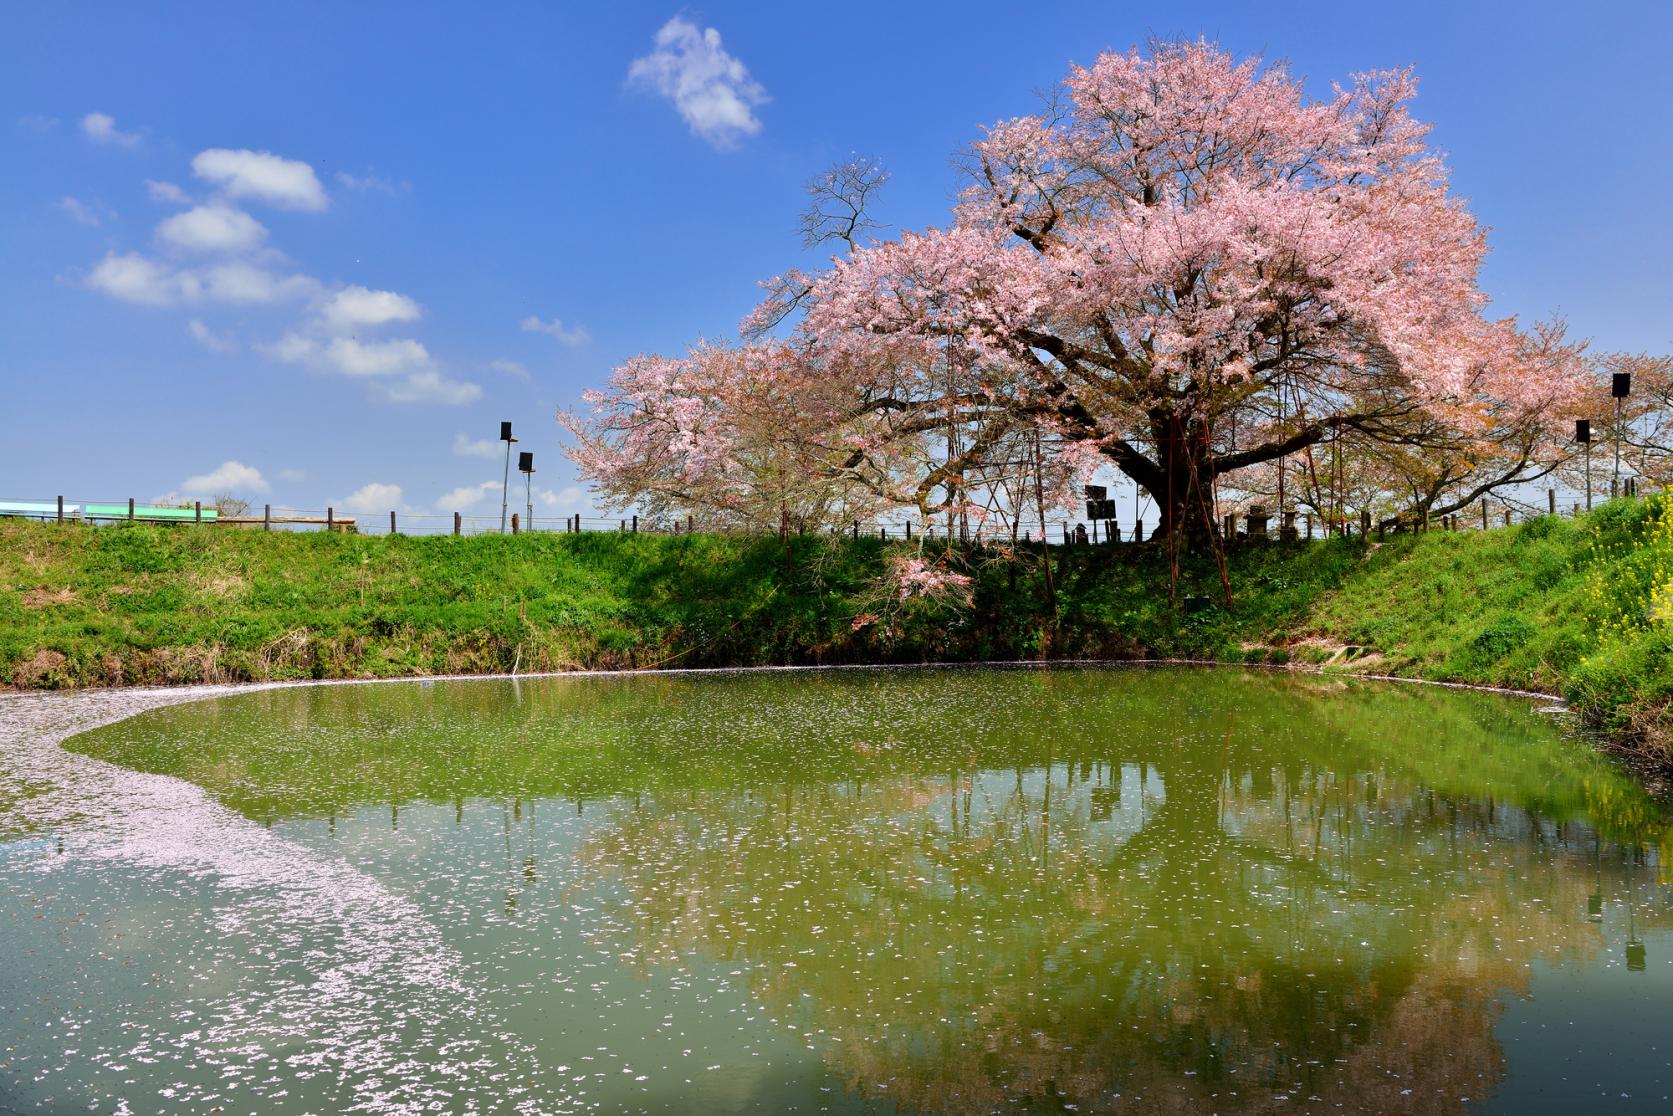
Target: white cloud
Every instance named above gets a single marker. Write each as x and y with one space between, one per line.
215 227
80 210
712 90
371 183
402 368
467 496
166 192
566 498
210 340
374 497
133 278
357 306
476 447
101 128
351 356
572 335
431 387
292 476
287 183
249 283
231 476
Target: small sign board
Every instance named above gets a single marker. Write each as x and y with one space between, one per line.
1096 492
1100 509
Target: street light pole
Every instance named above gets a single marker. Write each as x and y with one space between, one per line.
505 484
1583 435
1620 386
525 465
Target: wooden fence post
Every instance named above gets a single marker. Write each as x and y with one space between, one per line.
267 517
130 509
60 509
392 521
1551 500
635 523
457 522
330 519
1484 513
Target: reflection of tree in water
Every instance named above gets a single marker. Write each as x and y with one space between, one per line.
1233 936
1200 909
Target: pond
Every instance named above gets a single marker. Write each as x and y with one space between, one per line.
868 891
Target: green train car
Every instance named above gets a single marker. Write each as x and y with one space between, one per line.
149 513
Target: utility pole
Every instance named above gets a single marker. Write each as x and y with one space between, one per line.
505 484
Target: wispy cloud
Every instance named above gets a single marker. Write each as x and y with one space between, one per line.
101 128
81 211
373 184
711 89
209 339
510 368
567 335
476 447
166 192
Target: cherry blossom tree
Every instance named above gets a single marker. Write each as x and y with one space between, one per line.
1183 267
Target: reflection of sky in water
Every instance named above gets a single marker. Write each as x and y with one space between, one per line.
1135 913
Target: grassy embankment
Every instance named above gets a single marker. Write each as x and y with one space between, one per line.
1581 608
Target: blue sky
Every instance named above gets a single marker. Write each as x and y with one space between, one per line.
336 244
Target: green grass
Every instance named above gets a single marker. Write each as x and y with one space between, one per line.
1572 607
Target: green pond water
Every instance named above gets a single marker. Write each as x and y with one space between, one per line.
878 891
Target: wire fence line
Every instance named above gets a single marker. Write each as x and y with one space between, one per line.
1255 523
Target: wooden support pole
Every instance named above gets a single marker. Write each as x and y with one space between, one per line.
635 524
457 524
1551 501
60 509
130 509
1484 514
392 521
197 511
267 517
330 519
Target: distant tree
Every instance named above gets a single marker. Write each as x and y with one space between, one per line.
228 506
